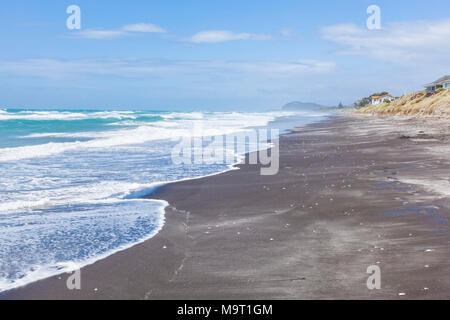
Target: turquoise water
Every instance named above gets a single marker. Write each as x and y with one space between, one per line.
71 182
16 125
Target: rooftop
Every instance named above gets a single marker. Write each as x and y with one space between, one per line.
384 95
442 80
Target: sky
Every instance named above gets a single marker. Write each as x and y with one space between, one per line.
216 55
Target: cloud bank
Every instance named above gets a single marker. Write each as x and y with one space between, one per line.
120 32
217 36
403 43
52 68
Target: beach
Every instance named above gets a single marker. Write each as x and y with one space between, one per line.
352 191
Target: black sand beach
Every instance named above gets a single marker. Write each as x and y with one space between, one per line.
352 191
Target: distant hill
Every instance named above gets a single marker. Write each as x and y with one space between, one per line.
296 105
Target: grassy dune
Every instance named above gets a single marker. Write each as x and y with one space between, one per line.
414 104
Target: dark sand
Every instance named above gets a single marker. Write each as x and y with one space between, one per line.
351 192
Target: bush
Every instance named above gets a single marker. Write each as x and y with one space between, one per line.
362 103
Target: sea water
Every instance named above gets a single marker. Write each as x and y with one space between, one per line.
72 181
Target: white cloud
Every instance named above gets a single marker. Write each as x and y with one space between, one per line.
143 27
99 34
216 36
405 43
285 68
62 69
115 33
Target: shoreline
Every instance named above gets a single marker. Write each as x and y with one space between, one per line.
144 194
238 235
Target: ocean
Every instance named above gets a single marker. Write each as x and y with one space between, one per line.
72 181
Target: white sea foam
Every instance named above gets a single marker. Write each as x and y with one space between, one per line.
34 272
89 193
74 203
215 124
65 115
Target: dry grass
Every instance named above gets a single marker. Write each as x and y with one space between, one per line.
435 104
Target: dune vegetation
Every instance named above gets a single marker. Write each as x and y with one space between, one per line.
434 103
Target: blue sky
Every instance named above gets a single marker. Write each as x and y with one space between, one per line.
216 55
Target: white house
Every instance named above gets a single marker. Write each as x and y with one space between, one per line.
379 99
443 82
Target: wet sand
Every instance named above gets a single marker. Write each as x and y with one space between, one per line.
352 191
